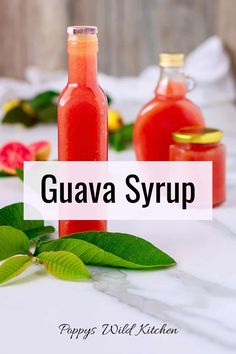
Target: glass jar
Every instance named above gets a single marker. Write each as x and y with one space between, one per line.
168 111
202 144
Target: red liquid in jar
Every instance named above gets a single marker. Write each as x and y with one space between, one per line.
167 112
205 152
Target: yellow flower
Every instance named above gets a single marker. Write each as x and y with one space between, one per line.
9 105
115 121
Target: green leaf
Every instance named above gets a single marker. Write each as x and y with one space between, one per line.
41 231
4 174
64 265
122 138
109 99
20 173
48 114
43 100
110 249
18 115
13 267
13 215
12 241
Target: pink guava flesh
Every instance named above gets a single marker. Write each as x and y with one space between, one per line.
13 155
41 150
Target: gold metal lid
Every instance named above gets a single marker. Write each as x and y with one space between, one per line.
197 135
171 60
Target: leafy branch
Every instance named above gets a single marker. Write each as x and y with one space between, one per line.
41 108
122 138
66 258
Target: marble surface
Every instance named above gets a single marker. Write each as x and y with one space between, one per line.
197 297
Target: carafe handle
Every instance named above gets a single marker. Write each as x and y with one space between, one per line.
190 83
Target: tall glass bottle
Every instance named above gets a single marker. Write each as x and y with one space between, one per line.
166 113
82 113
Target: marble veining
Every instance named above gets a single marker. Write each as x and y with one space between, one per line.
120 286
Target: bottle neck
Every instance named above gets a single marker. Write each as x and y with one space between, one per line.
172 83
82 59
